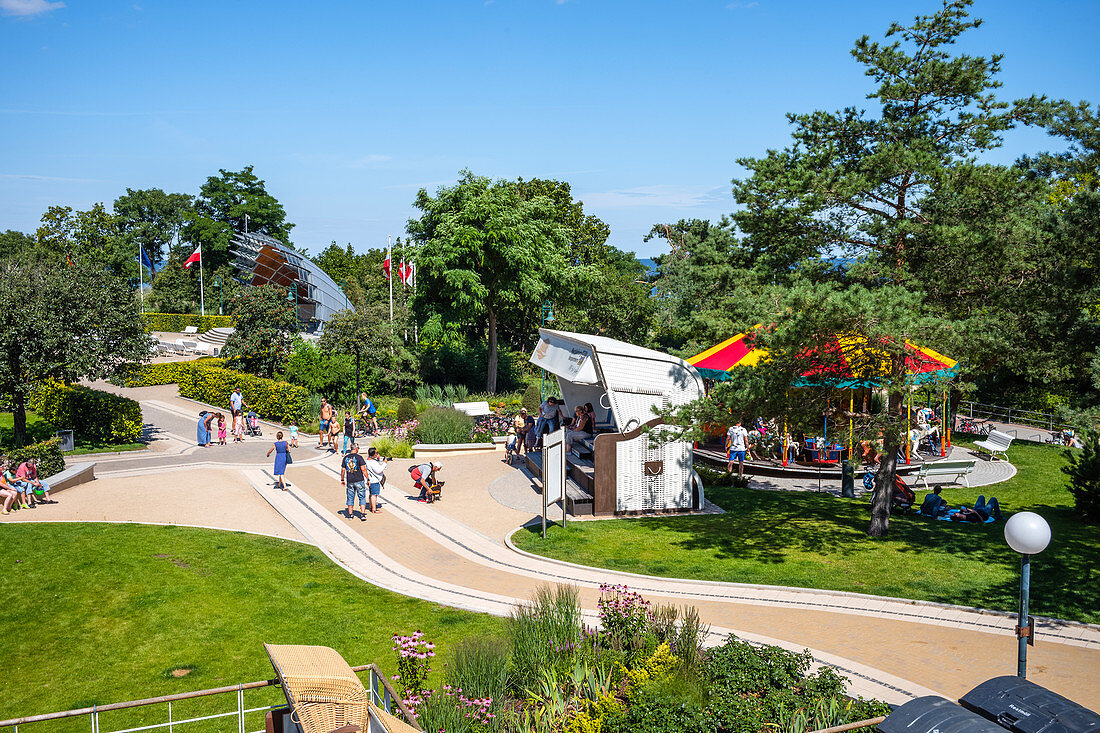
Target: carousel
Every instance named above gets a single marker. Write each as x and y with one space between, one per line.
821 450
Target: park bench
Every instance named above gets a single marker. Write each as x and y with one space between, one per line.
996 442
473 409
958 469
190 330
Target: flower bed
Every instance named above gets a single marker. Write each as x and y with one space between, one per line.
645 669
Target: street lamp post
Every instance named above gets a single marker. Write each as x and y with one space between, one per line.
547 317
1028 534
218 285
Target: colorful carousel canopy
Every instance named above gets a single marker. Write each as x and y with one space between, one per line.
848 362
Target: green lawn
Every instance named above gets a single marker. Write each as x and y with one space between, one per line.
97 613
39 429
819 541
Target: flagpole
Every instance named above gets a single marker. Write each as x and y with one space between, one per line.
202 290
416 329
389 276
141 278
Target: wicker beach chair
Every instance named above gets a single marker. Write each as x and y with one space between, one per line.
323 691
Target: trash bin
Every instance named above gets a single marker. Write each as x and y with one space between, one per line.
1025 707
848 480
68 442
935 714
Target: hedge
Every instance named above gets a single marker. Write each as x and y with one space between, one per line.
206 380
168 373
176 322
47 454
279 402
92 414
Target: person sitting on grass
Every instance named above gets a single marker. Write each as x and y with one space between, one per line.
933 505
28 474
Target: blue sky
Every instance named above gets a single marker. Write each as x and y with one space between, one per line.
346 109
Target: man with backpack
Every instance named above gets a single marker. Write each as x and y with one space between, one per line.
424 478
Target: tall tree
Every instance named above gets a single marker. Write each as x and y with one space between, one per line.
852 182
91 238
65 323
14 244
220 210
485 252
151 218
384 362
266 326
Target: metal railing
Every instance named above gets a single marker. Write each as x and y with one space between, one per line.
382 695
1032 418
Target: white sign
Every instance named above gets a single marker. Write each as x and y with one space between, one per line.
565 359
553 466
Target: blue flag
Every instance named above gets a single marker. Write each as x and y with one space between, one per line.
145 261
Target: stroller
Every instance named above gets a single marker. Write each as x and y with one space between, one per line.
511 446
252 425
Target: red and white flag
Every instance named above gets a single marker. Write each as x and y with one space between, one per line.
196 256
386 267
405 272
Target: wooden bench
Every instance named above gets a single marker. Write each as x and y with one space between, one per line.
473 409
996 442
958 469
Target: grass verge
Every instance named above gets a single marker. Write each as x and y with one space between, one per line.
39 429
819 541
98 613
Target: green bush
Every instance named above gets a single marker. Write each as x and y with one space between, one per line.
532 398
321 372
1084 476
46 453
176 322
169 373
92 414
445 425
390 448
406 410
207 381
276 401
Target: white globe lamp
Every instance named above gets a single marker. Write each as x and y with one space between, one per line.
1028 534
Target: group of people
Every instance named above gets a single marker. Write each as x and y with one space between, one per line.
213 425
331 428
21 487
936 506
526 431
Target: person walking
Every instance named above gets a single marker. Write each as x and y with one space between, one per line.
351 476
326 418
282 458
349 431
736 447
238 427
376 477
335 427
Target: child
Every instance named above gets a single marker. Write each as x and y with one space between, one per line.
221 429
238 426
293 434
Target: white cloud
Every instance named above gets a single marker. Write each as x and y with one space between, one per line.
31 177
367 160
28 8
661 195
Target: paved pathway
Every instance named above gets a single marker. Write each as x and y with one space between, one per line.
456 552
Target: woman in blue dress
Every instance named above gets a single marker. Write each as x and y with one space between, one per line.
282 457
203 429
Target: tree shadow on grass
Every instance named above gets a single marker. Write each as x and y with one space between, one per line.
767 527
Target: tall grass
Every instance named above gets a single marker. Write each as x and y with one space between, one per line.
387 446
444 425
480 667
545 635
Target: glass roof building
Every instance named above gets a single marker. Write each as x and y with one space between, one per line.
262 260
